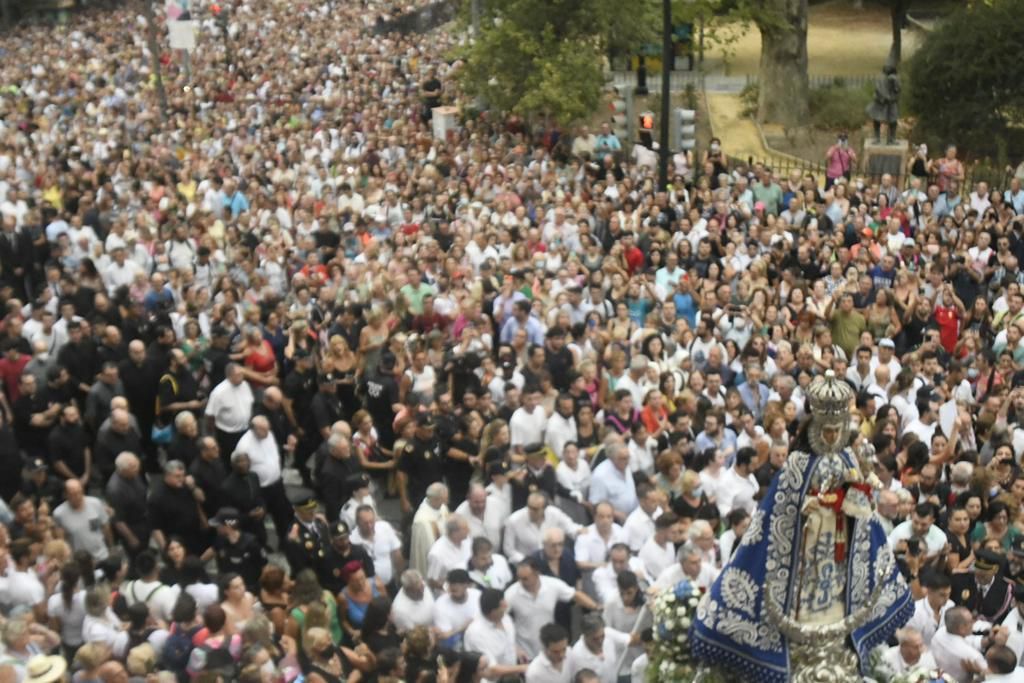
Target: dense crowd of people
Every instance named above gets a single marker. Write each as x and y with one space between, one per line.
294 390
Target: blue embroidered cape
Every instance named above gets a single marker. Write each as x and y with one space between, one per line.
732 630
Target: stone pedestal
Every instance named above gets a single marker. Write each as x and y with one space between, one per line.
881 158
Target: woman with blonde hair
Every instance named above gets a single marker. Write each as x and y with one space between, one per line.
690 497
494 442
372 340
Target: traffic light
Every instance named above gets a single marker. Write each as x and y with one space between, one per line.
647 121
622 113
684 130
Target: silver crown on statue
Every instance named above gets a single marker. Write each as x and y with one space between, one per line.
829 396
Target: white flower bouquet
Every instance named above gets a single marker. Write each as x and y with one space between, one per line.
673 611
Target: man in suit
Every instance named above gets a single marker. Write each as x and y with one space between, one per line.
16 258
984 591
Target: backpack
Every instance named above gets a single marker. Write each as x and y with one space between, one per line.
217 658
178 648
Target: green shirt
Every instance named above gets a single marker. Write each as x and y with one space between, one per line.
846 329
414 295
771 196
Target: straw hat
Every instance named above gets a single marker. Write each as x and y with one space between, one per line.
45 669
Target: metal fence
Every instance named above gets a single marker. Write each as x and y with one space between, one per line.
819 81
783 166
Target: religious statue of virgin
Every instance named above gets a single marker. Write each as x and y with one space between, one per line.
813 586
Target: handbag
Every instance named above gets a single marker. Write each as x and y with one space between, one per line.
161 436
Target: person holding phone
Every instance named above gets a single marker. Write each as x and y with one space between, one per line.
840 160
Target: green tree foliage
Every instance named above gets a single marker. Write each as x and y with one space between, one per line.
544 58
964 83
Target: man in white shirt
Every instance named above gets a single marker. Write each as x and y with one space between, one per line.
910 654
265 462
1014 623
525 527
573 472
957 651
930 611
488 569
121 272
920 526
690 566
456 609
1002 666
639 526
485 518
414 604
493 635
926 423
738 485
612 481
606 577
552 664
659 552
381 541
148 588
561 426
593 544
598 648
528 421
451 551
532 600
23 586
229 409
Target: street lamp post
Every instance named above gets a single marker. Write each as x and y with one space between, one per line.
666 92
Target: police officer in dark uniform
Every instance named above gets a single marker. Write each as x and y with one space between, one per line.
218 354
537 475
984 591
309 535
419 465
237 551
340 551
299 388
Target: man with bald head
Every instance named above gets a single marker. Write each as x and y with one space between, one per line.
84 520
126 494
111 348
116 435
265 460
271 406
209 473
138 376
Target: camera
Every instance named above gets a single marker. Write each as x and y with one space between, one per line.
914 546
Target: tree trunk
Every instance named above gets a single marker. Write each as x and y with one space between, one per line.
783 89
898 13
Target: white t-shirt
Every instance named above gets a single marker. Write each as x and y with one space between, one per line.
445 556
604 663
528 428
533 611
407 613
71 618
452 616
159 597
230 406
384 542
497 643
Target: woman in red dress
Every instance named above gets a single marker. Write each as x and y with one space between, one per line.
259 359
